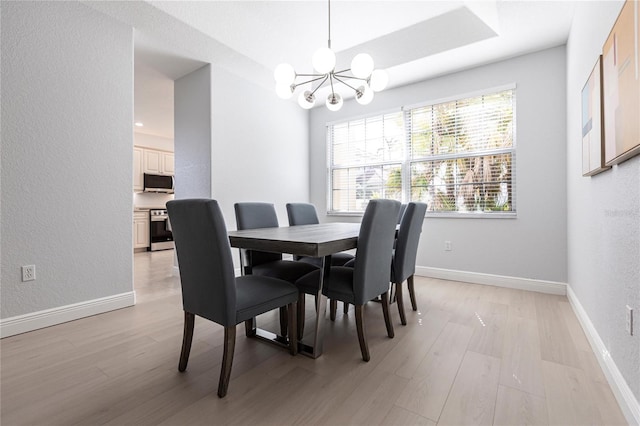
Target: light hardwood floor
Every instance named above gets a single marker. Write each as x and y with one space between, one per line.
471 355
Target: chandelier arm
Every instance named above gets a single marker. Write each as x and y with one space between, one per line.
310 75
346 84
331 77
350 77
312 80
341 71
320 85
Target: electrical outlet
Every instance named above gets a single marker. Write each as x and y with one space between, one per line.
28 273
447 246
629 320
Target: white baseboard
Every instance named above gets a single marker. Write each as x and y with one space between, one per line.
541 286
46 318
627 401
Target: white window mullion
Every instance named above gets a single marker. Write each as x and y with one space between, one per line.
406 163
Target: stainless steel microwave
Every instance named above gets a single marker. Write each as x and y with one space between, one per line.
158 183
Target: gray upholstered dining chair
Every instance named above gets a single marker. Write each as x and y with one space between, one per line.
403 207
403 266
209 288
263 215
305 214
369 278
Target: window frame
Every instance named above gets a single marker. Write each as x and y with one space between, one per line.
407 161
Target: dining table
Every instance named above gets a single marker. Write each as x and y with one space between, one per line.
317 240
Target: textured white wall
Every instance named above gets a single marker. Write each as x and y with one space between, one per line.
260 148
603 211
67 90
531 246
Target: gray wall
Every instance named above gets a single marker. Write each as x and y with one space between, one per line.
236 141
67 137
603 211
192 134
260 146
259 143
531 246
67 90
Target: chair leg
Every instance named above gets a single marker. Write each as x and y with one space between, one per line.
385 312
362 339
227 360
400 302
250 327
412 293
283 321
187 338
345 308
333 307
292 309
301 315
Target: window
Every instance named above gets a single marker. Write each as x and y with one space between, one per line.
457 156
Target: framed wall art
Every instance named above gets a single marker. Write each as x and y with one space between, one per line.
621 86
592 130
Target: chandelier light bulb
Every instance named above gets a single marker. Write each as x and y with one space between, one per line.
284 91
306 99
379 80
324 60
362 65
364 95
334 102
284 74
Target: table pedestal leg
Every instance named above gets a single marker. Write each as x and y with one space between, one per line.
315 350
318 338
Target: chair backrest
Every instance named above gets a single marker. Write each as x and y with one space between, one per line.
302 214
257 215
404 259
403 207
204 258
375 244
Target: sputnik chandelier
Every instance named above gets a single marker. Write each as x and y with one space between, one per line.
364 79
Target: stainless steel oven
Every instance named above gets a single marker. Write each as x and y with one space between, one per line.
160 233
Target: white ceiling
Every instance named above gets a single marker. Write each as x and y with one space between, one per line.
412 40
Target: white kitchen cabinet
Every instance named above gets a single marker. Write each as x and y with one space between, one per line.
158 162
141 229
168 163
153 161
138 166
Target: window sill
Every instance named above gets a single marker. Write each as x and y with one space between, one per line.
345 214
460 215
473 215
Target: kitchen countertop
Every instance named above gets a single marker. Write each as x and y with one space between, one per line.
146 209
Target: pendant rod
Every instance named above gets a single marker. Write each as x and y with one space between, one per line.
329 20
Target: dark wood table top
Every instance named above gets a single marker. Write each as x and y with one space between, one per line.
304 240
